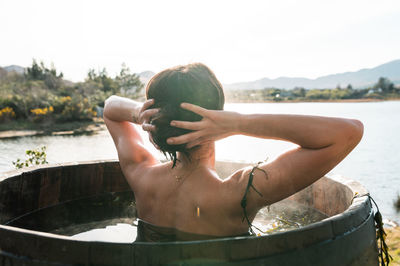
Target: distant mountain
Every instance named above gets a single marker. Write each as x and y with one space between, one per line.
145 76
359 79
18 69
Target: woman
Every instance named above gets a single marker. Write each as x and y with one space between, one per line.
185 198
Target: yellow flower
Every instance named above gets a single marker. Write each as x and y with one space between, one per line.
65 99
7 111
39 111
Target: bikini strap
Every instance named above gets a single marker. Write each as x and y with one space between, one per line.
243 202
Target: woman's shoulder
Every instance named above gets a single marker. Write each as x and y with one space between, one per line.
238 177
144 173
234 187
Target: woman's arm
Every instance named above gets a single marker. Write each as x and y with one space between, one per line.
120 114
121 109
322 143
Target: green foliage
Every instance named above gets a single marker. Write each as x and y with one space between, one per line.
33 157
106 83
76 108
129 84
384 84
41 95
316 94
299 92
41 72
126 83
383 89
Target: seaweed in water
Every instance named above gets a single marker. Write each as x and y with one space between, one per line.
384 255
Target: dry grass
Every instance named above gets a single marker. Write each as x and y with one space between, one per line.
393 241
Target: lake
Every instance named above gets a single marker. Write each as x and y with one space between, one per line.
375 162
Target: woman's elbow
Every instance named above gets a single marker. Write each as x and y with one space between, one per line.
359 129
110 99
107 105
355 131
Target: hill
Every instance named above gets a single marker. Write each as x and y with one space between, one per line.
145 76
358 79
18 69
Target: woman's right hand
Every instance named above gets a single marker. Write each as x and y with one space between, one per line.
144 116
145 113
215 125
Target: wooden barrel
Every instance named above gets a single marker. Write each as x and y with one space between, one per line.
346 237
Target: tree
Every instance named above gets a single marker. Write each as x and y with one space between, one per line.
129 84
299 92
41 72
101 77
91 75
384 84
125 83
272 92
35 72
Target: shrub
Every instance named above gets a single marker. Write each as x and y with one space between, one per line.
34 157
6 114
317 94
60 103
76 108
42 114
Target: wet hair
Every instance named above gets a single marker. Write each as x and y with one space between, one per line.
193 83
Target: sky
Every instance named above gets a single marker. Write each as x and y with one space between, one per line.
238 40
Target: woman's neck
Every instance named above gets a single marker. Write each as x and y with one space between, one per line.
202 155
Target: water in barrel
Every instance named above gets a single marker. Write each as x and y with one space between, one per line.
112 218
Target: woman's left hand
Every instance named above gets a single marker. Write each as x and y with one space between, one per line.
215 125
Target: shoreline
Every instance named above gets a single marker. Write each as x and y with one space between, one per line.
318 101
20 133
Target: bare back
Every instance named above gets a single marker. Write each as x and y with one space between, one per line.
199 203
